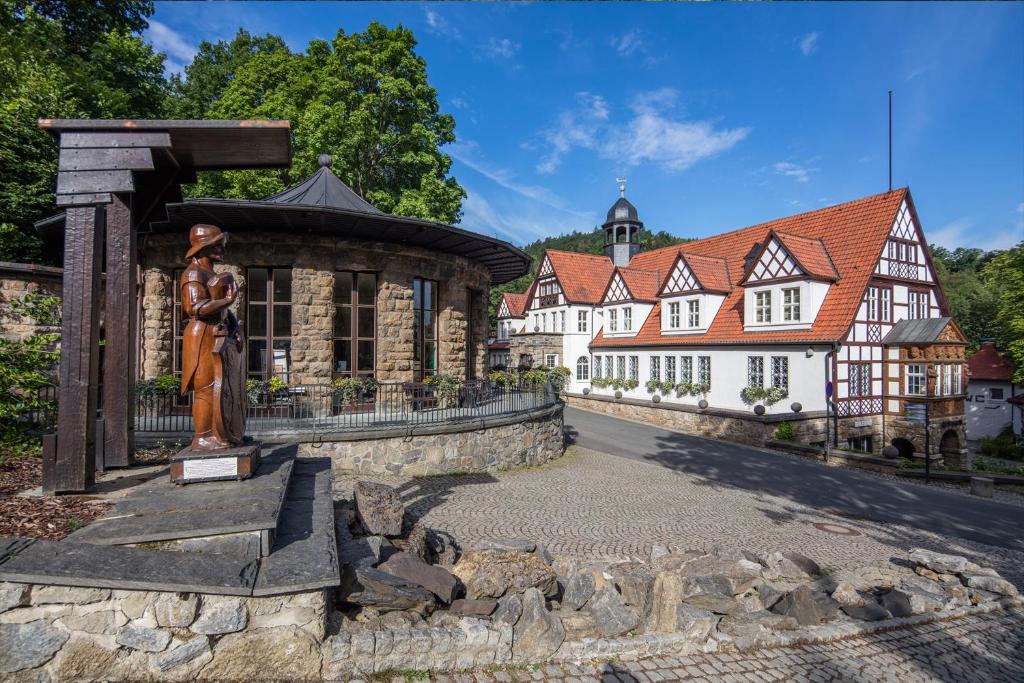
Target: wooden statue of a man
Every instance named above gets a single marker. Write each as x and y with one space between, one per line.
212 344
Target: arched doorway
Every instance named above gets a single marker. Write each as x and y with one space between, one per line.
950 443
905 447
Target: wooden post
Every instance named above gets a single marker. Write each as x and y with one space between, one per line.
119 316
74 468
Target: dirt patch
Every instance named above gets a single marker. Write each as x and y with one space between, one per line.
50 517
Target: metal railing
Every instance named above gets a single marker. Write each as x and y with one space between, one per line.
321 409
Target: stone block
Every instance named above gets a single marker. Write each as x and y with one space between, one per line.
437 580
220 615
579 589
48 595
806 605
634 581
983 487
493 573
143 638
101 622
939 562
185 653
379 508
26 646
611 613
538 633
13 595
176 610
285 653
382 591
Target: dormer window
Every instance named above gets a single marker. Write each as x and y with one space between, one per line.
693 313
791 304
581 321
763 306
613 320
627 318
673 314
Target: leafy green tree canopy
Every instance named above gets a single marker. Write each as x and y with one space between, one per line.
1004 274
363 98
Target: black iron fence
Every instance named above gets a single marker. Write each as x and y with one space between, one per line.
320 409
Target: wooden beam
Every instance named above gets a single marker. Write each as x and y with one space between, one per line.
78 182
119 333
74 467
103 139
108 158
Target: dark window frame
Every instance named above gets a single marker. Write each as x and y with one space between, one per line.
355 306
269 338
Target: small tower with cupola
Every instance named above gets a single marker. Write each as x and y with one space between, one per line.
622 230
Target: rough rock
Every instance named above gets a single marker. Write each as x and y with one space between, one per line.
49 595
978 596
728 553
634 581
543 553
578 624
992 584
384 592
24 646
379 508
521 545
437 580
442 548
220 615
101 622
740 575
907 600
846 595
186 652
611 613
869 611
176 610
938 562
673 561
493 573
538 633
768 593
719 603
578 590
143 638
748 629
365 551
474 608
285 653
871 577
510 609
13 595
693 623
135 603
789 565
807 606
657 552
84 659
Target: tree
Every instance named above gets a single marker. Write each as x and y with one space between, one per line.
56 61
1005 275
363 98
972 302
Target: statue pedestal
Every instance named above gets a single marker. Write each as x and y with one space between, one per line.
240 462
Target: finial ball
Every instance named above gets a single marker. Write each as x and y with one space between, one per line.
324 160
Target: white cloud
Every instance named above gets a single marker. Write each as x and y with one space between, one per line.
501 48
966 232
651 134
1020 208
168 41
519 221
438 25
627 43
801 174
809 43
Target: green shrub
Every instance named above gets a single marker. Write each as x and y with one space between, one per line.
785 432
1006 445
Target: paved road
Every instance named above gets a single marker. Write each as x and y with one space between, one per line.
841 491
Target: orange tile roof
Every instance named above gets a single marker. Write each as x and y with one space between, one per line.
810 254
642 284
712 272
987 364
583 277
854 233
516 303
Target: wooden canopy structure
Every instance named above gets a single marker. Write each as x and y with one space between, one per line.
114 176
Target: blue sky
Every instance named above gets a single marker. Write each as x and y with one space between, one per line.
720 116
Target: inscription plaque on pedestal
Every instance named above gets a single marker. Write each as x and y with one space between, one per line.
189 466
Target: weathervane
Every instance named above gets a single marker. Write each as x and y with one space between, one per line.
622 186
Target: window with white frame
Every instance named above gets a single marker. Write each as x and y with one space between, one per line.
885 304
755 371
860 379
620 367
958 379
544 322
597 367
686 370
613 320
791 304
656 368
917 380
780 372
872 303
627 318
583 368
551 360
693 313
918 305
608 372
763 306
634 368
561 318
704 370
670 369
581 321
536 321
673 314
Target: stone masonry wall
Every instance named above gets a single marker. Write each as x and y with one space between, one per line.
536 345
533 441
17 280
313 260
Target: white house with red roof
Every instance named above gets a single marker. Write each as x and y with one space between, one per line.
989 394
511 319
758 324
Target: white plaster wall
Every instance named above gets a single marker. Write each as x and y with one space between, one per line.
987 416
709 307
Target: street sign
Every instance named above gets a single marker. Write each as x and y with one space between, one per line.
828 389
916 413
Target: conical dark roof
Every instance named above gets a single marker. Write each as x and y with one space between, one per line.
323 188
622 210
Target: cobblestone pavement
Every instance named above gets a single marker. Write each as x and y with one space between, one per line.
595 505
985 648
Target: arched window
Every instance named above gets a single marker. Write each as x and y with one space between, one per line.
583 368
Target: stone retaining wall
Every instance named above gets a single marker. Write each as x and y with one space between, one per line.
17 280
515 441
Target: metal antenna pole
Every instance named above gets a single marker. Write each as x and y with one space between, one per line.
890 141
